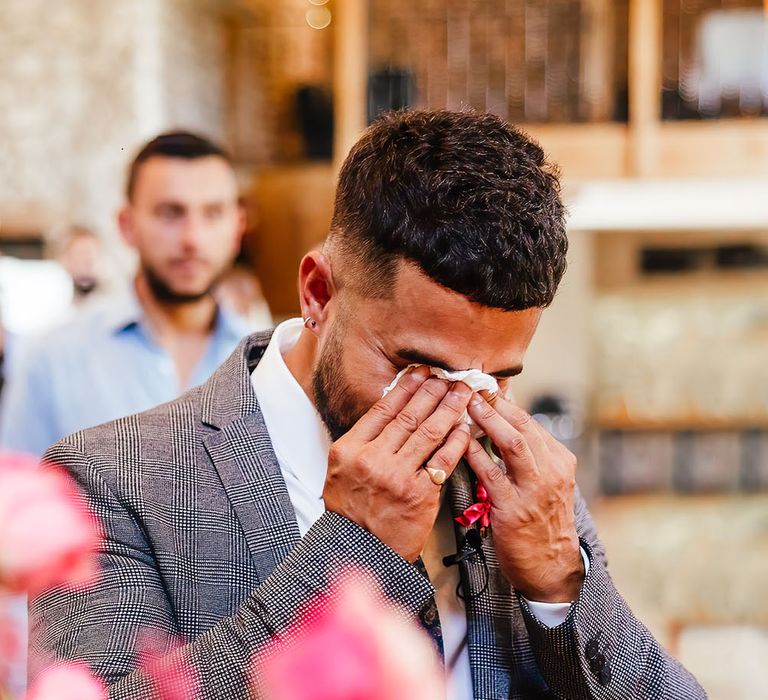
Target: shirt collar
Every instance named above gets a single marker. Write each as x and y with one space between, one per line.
125 311
298 434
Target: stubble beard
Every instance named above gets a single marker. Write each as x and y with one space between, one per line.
333 397
163 291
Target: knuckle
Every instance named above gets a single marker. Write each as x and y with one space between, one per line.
475 448
496 474
407 420
383 410
515 443
430 433
338 453
441 460
456 401
487 412
434 387
522 418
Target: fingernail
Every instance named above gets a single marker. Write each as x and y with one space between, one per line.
476 399
464 428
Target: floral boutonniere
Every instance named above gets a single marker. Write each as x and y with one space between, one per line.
480 511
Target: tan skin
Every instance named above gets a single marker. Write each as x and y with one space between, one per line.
185 223
375 475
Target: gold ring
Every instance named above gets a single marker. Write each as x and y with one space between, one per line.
436 475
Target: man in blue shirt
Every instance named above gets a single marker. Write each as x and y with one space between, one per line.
183 218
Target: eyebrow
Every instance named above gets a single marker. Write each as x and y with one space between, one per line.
420 358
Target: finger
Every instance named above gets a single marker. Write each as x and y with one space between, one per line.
383 412
491 475
432 431
449 455
423 403
512 445
538 439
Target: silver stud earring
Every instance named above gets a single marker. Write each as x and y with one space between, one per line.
310 322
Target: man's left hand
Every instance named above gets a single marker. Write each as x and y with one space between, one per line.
532 511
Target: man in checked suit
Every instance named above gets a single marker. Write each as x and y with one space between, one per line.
229 508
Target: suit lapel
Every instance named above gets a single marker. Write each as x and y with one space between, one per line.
241 451
243 456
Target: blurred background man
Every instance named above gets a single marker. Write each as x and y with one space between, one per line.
80 251
183 219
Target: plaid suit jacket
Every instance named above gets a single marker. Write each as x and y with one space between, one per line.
200 544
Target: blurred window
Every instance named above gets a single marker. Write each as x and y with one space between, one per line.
534 61
715 59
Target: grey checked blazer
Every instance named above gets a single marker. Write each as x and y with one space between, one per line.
201 543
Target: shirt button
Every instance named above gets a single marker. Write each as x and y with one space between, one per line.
591 648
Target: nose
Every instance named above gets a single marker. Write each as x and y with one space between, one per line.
192 232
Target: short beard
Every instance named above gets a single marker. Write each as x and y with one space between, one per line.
333 397
163 292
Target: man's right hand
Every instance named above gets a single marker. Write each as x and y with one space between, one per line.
375 472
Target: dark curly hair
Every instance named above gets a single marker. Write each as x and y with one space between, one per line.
469 199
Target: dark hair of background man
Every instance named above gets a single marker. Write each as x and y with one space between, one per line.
465 196
173 144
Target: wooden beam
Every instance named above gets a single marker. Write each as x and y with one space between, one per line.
350 75
645 31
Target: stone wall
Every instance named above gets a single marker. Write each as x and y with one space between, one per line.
82 84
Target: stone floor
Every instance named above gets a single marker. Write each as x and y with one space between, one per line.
695 571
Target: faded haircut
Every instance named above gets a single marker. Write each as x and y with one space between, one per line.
465 196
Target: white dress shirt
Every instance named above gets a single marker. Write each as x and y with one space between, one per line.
300 441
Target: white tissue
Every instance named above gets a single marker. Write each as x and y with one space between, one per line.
473 378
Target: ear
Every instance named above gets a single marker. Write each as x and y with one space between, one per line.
316 289
125 224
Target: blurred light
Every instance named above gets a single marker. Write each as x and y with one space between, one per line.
318 17
318 2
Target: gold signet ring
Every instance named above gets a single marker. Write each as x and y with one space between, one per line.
436 475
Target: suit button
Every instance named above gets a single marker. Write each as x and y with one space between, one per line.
591 648
604 677
597 663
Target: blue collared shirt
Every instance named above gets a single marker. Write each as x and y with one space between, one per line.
103 365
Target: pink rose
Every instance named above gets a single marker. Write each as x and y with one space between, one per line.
171 675
47 536
353 647
67 682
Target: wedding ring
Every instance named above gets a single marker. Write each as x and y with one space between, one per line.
436 475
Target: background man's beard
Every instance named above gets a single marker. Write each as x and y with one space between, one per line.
163 291
333 399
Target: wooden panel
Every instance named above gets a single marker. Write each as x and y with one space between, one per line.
292 208
645 83
716 149
585 151
722 148
350 72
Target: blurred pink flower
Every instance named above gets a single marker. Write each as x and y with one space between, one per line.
11 644
47 536
354 647
172 677
10 637
67 682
